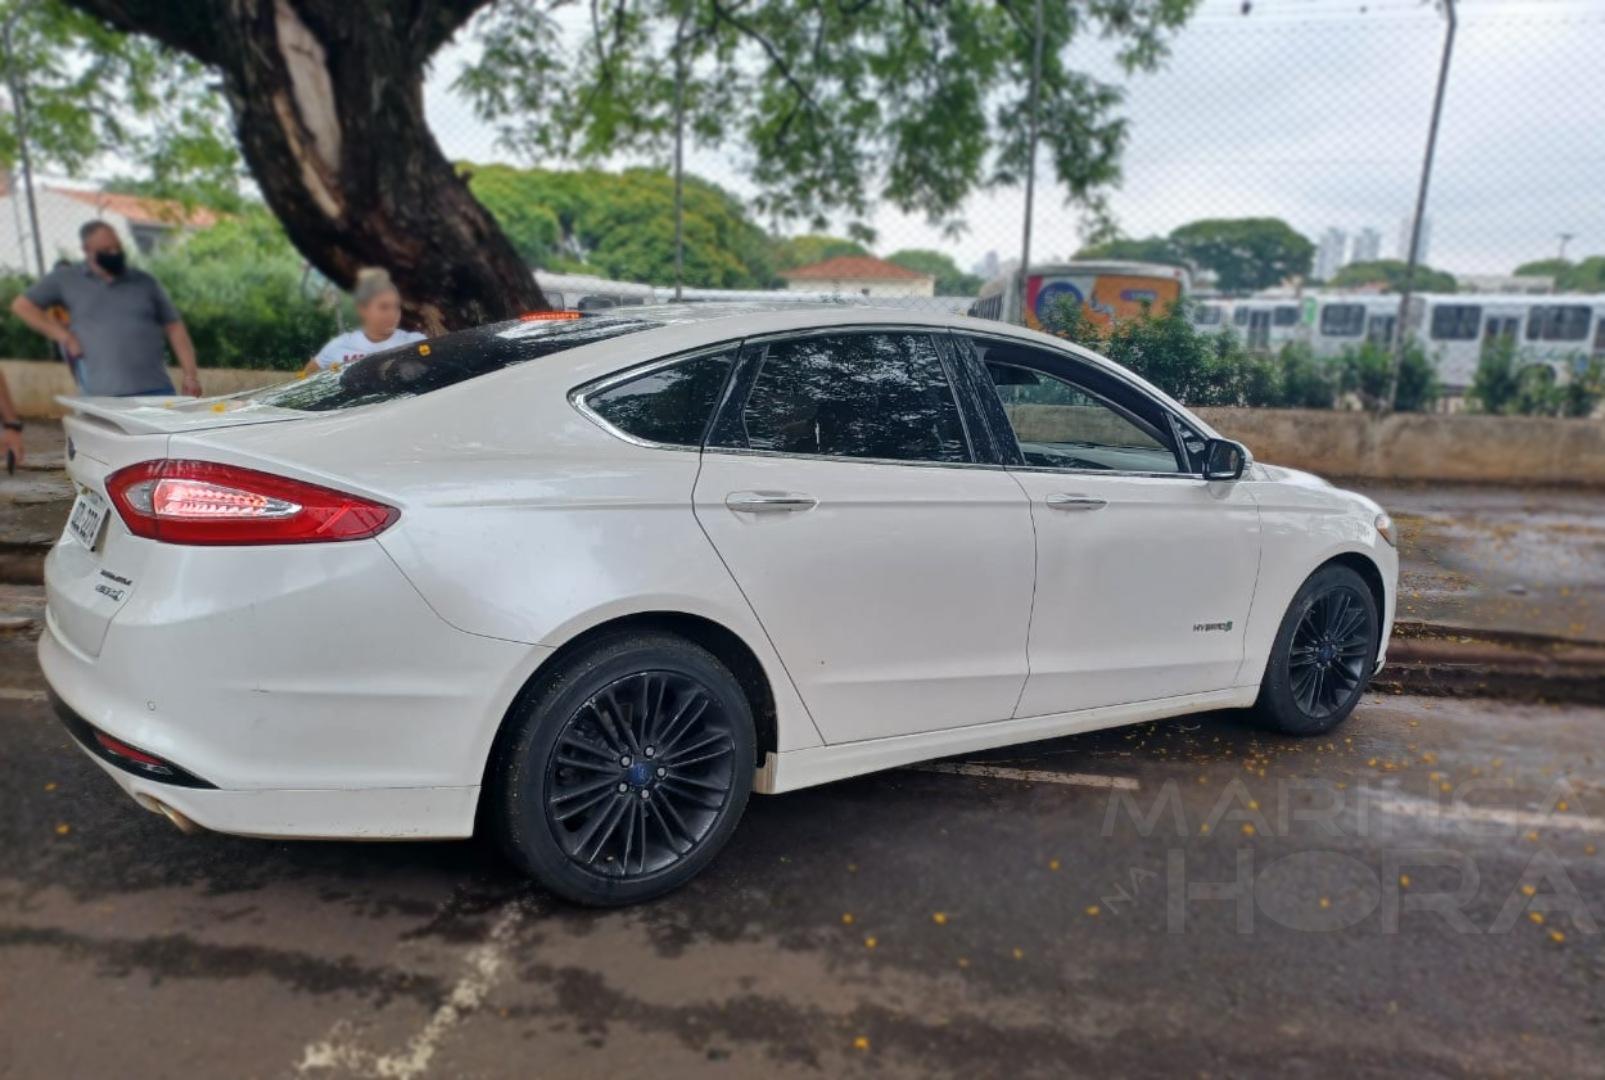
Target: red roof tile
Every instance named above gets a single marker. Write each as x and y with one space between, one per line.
143 211
854 267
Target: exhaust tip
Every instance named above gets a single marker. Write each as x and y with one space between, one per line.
179 819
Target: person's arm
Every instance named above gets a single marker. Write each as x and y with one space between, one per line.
183 348
11 432
35 318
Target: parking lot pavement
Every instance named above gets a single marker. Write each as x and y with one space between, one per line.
1062 908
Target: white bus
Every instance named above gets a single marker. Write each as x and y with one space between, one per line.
1562 331
1339 321
1266 323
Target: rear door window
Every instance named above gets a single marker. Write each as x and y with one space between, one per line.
669 405
883 395
434 365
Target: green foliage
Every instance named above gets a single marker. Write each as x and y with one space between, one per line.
1544 267
246 295
1389 273
93 92
1586 276
1245 253
950 280
1304 382
1154 249
837 105
1504 385
17 342
621 225
808 249
1365 372
1197 368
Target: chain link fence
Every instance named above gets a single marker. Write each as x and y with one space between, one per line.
1274 157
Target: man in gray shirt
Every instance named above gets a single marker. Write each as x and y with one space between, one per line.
121 321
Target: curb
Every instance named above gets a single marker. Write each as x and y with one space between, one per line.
1510 665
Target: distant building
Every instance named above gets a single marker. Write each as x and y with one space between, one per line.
987 269
859 275
1405 228
1329 254
144 224
1367 246
1526 284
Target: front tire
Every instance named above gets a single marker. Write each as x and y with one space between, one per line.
626 771
1323 656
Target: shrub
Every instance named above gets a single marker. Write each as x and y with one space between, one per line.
17 342
1504 385
1365 372
246 295
1197 368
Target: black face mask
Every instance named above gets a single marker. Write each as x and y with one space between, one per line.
113 262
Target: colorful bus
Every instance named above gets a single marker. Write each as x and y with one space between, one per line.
1106 291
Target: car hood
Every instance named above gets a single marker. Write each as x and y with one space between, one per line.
1280 474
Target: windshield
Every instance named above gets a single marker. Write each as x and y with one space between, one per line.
433 365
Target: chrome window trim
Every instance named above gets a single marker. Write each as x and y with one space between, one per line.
915 463
579 395
1122 473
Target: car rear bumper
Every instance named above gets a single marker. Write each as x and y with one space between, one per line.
310 694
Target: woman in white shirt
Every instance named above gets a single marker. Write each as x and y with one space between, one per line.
379 312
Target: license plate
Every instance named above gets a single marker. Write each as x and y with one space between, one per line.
88 519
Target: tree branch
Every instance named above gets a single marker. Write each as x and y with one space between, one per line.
435 21
186 25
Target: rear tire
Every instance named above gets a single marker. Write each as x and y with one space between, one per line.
1323 656
624 773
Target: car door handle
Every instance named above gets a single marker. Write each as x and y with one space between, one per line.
769 502
1062 501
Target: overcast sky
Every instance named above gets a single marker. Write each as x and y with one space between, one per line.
1315 111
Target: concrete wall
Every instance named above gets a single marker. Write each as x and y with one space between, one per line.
34 384
1408 446
1422 446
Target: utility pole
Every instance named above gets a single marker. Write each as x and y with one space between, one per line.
19 112
1565 238
1033 128
679 158
1401 326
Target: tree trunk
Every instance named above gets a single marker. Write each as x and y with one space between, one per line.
327 97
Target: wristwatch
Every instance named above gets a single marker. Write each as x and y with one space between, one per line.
11 425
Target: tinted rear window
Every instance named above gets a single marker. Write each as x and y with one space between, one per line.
445 361
670 405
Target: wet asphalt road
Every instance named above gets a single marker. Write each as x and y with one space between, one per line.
907 924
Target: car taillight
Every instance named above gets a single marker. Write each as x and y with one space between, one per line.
203 502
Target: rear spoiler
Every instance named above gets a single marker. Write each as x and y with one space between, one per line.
121 413
172 415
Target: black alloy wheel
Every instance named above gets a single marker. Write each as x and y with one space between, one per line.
1323 655
622 772
641 772
1330 652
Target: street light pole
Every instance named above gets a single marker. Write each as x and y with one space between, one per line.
679 158
19 112
1401 326
1031 164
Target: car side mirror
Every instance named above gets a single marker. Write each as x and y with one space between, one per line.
1224 459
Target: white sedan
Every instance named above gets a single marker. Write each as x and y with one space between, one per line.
592 579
